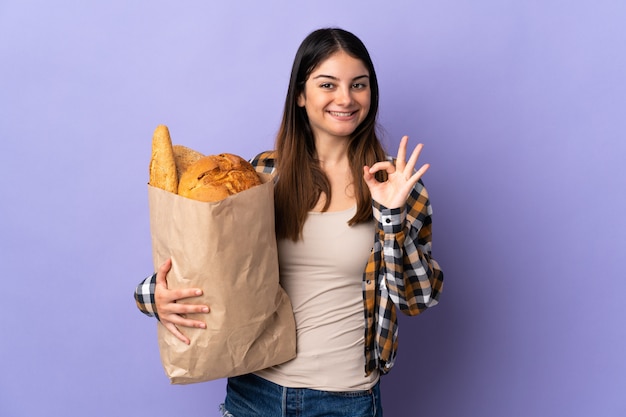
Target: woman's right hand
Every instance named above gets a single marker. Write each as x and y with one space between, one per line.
172 314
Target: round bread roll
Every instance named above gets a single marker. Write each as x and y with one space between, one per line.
215 177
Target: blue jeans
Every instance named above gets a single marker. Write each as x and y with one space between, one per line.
252 396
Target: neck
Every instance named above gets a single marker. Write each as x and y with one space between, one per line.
331 153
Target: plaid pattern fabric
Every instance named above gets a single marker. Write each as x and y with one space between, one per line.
144 296
400 272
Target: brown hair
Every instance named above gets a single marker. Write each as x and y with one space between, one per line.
301 180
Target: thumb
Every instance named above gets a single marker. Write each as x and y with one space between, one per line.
162 272
368 176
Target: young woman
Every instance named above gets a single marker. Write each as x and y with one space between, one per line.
354 239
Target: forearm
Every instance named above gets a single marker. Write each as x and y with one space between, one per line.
413 278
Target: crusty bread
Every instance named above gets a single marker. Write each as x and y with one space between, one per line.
184 157
162 164
215 177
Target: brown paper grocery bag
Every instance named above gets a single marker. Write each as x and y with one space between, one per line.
227 248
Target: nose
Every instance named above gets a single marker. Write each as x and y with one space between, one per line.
344 96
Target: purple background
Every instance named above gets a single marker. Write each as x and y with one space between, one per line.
521 105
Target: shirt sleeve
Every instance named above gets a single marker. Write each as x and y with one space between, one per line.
144 296
413 279
264 162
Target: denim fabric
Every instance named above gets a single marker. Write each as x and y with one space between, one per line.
253 396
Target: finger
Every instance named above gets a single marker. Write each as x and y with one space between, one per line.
174 330
419 173
414 157
367 175
162 272
180 308
183 293
183 321
382 166
369 178
401 159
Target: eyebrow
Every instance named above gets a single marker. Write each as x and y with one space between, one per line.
335 78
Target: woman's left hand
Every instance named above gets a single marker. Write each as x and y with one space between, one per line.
401 178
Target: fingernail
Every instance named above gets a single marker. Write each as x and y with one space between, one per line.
205 309
198 292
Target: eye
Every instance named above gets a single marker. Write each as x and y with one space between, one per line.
326 85
359 86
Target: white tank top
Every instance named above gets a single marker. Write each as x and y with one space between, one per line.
323 273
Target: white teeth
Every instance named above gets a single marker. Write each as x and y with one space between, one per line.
340 114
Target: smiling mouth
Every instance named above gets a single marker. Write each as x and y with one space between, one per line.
341 114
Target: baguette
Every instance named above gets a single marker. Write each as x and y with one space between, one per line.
162 163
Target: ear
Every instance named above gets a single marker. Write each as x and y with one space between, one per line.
301 100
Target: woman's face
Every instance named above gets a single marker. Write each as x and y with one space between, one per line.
336 96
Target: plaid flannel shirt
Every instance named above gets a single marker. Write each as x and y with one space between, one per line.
400 272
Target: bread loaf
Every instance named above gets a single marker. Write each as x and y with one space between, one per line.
184 157
184 171
215 177
162 163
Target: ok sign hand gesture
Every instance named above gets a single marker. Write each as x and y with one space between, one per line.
401 178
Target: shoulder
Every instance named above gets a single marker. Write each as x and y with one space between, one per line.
264 162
